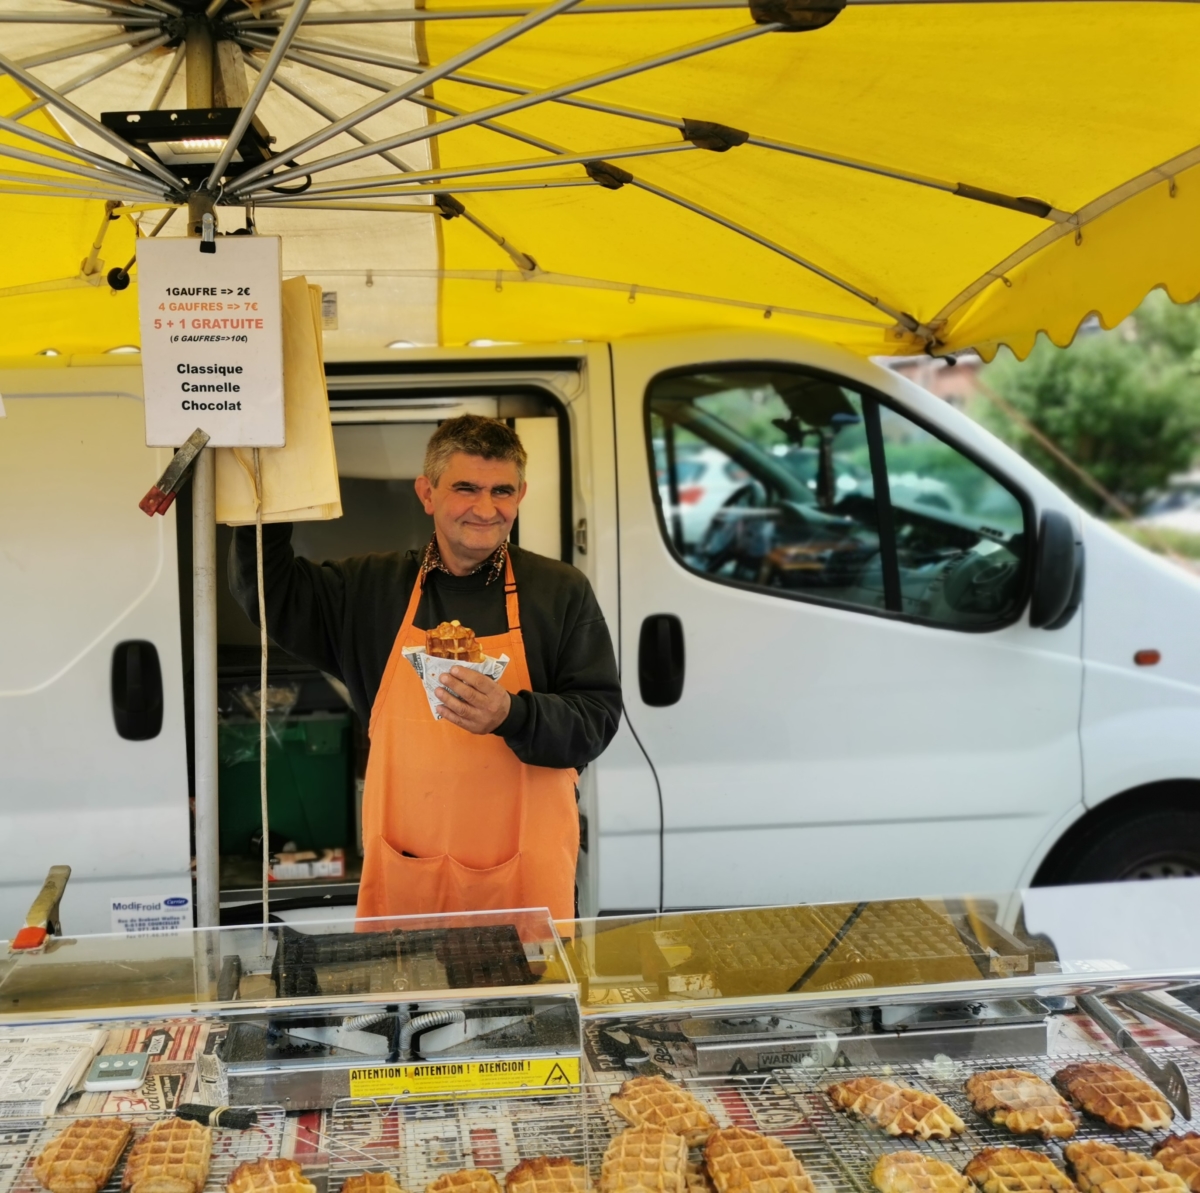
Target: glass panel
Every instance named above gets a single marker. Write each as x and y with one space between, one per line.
763 476
960 534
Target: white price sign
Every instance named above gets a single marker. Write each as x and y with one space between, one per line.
212 340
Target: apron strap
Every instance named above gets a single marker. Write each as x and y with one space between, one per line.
512 608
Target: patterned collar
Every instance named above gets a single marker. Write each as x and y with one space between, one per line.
432 562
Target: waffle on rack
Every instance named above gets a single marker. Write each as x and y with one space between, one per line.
1022 1102
371 1182
741 1161
465 1180
82 1158
1114 1094
657 1102
1016 1170
913 1172
1180 1154
547 1174
897 1109
451 640
1104 1168
172 1157
647 1159
269 1176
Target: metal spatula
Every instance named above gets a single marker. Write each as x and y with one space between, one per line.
1167 1078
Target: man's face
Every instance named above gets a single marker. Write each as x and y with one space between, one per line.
474 504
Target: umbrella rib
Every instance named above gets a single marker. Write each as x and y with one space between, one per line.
85 47
960 189
169 77
113 6
398 94
563 158
251 15
469 189
90 122
98 72
53 182
99 165
354 76
903 318
385 16
266 74
41 18
520 102
69 167
1165 172
302 96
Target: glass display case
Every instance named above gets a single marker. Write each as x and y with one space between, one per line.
423 1047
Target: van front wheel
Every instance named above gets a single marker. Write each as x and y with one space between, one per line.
1159 841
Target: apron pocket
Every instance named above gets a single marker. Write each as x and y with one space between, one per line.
429 885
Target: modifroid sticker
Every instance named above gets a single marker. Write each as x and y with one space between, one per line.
212 341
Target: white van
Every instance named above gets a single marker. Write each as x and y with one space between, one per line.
889 658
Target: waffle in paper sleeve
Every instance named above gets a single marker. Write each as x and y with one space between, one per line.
430 671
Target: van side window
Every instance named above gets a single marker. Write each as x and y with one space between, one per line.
791 481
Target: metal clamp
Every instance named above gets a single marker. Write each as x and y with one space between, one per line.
159 499
43 917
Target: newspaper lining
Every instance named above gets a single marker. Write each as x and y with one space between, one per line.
430 671
38 1070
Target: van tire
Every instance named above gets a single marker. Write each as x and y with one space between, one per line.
1153 832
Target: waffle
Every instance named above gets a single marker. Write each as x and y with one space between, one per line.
547 1174
82 1158
371 1182
647 1159
172 1157
269 1176
896 1108
657 1102
741 1161
912 1172
1104 1168
451 640
1180 1154
1016 1170
465 1180
1022 1102
1114 1094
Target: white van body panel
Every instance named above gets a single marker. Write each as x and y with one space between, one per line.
1140 724
821 752
82 569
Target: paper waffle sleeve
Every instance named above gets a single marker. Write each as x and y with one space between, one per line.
430 671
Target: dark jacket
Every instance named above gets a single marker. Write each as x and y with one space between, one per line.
343 617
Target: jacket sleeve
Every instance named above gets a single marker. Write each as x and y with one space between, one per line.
573 724
306 602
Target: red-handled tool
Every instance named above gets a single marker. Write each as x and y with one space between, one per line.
42 920
159 499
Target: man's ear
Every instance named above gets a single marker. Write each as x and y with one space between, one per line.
521 492
424 490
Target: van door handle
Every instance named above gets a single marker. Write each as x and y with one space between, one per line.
661 660
137 690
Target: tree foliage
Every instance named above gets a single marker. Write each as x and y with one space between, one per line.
1123 404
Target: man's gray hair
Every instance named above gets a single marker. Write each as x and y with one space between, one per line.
473 435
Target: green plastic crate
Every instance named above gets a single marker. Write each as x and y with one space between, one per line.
309 772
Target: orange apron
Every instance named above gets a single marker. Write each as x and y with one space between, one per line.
454 821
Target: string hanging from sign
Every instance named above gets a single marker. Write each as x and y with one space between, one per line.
262 700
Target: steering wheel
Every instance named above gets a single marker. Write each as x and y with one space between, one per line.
716 548
973 584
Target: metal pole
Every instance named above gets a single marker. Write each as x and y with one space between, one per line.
204 687
199 67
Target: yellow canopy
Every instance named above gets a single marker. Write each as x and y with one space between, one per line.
910 177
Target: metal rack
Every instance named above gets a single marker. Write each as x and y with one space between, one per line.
229 1148
858 1146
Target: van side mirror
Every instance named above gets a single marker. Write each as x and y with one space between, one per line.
137 690
1057 573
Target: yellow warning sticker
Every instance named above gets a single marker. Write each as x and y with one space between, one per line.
475 1078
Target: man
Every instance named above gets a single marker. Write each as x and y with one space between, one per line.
476 810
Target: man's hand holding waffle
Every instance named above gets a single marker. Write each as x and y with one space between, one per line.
466 694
